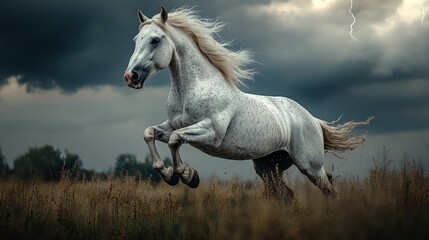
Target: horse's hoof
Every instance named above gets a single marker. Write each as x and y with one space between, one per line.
174 179
195 181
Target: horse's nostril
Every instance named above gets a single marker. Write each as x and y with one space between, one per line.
135 76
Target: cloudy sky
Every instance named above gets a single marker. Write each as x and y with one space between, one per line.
62 64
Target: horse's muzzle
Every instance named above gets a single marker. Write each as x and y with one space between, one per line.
135 78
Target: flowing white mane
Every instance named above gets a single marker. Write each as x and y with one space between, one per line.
229 63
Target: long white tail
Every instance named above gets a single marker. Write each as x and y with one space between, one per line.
339 138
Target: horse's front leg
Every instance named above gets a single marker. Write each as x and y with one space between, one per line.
161 132
203 132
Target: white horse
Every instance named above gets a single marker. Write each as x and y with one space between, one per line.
206 109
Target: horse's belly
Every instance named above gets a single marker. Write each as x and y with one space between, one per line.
232 152
222 152
247 138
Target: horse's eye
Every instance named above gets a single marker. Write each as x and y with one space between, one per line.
154 41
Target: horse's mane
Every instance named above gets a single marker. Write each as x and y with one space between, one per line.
229 63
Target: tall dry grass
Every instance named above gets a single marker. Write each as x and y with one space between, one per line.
389 204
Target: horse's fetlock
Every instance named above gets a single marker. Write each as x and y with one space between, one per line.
157 165
180 169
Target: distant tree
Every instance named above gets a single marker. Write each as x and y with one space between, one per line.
87 174
47 163
41 162
127 164
71 165
148 172
4 167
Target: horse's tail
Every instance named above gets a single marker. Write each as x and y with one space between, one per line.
339 137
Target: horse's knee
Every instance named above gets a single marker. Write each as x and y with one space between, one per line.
320 178
311 173
149 134
175 140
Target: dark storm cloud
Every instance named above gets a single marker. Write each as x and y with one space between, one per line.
310 57
73 43
68 43
306 55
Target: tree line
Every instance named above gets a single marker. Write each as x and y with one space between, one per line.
51 164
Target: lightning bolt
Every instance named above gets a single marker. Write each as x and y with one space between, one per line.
354 20
423 12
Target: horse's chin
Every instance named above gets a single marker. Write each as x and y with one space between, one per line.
138 85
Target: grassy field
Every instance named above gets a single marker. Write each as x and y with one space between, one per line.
389 204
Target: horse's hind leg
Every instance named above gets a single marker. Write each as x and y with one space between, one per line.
270 168
307 153
319 177
330 178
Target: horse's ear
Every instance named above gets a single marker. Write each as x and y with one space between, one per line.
142 17
164 14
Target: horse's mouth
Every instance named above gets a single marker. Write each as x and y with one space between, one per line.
136 78
135 85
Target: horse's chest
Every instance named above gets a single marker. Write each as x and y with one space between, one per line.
187 109
181 115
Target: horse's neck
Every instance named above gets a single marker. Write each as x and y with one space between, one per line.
190 69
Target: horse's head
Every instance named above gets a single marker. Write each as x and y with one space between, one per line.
153 50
